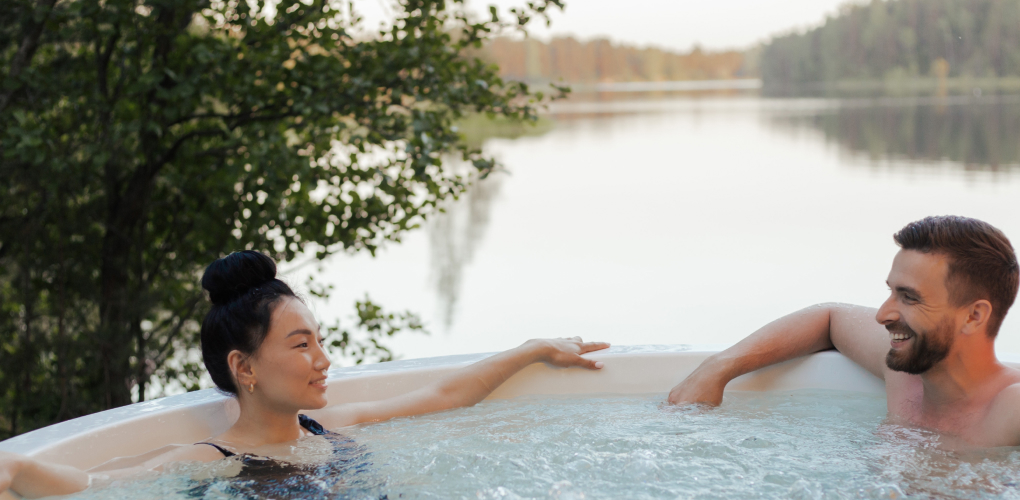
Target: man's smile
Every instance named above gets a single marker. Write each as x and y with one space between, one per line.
900 334
899 338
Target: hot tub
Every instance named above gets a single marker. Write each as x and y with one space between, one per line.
142 429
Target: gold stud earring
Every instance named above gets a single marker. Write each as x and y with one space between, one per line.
251 388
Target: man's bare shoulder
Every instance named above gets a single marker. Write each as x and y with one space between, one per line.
1008 398
1000 423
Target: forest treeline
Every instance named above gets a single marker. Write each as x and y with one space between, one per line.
899 40
573 61
920 44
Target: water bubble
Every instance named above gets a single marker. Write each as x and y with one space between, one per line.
780 478
883 492
756 443
565 490
497 493
803 489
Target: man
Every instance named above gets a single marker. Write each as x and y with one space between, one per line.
932 341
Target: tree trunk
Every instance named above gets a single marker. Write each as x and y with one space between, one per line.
116 308
61 341
26 351
142 374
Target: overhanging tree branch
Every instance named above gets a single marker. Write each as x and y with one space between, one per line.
26 50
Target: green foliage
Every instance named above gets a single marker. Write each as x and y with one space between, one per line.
897 40
476 129
365 342
143 139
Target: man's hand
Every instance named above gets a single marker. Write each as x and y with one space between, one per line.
704 386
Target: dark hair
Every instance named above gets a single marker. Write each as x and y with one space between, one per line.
244 291
982 264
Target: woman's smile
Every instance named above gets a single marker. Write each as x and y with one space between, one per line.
319 383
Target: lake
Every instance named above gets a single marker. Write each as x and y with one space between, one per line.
689 220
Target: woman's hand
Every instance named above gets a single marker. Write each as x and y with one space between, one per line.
566 352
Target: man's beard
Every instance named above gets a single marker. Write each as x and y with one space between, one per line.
927 350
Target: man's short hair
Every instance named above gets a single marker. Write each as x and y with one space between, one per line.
982 264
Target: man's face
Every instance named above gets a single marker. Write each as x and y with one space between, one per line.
925 349
918 314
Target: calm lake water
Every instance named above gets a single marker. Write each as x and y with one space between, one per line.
678 221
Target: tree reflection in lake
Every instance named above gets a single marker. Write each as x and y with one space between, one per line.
972 133
454 236
455 233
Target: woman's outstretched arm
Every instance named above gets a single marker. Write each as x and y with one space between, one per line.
466 386
31 478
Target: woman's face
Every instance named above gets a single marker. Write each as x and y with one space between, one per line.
289 368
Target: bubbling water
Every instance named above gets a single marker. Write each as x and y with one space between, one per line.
809 444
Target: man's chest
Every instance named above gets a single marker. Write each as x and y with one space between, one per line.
972 423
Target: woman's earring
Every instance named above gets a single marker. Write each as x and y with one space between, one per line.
251 388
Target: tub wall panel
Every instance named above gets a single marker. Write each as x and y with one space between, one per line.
138 429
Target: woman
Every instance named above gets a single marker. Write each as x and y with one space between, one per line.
262 344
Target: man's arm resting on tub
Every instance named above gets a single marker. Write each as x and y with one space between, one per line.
851 329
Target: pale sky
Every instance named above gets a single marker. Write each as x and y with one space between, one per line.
668 24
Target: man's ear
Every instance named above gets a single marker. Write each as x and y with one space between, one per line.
978 314
240 367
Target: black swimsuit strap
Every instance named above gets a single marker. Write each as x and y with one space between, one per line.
311 425
225 452
306 422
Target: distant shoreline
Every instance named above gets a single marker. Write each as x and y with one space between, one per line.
893 86
900 85
670 86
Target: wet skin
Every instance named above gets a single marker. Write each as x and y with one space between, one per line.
968 394
287 375
960 389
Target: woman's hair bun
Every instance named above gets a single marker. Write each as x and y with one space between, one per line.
234 275
244 291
